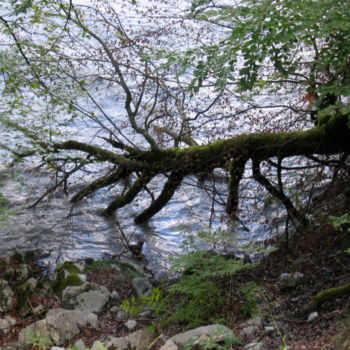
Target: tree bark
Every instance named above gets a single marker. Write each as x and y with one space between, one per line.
329 137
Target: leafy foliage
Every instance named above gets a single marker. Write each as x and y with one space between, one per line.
302 41
250 293
155 301
341 222
38 341
200 285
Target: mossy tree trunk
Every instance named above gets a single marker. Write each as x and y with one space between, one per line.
329 138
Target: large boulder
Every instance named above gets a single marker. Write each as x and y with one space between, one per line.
139 340
142 286
211 332
59 326
87 297
6 296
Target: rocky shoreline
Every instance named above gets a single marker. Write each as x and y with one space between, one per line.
81 305
58 311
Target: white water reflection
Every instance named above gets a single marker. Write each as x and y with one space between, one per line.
69 233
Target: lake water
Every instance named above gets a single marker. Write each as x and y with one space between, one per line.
71 232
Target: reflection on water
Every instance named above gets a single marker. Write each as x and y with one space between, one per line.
71 232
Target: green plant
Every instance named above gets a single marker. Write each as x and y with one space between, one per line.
250 293
200 286
155 301
341 222
37 341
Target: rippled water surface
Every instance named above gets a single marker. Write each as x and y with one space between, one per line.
70 232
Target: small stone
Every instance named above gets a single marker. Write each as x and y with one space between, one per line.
80 265
146 313
250 330
115 295
122 315
79 345
255 321
97 345
285 276
298 275
130 325
32 282
139 340
170 345
114 309
6 296
269 329
39 309
56 348
6 323
14 346
254 346
142 286
212 331
312 316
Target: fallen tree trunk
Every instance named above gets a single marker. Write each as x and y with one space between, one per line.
331 137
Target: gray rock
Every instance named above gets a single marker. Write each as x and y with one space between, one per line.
59 326
130 324
92 301
80 265
169 345
135 264
38 309
285 276
14 346
269 329
19 273
56 348
145 313
87 297
97 345
115 295
142 286
6 296
6 323
291 280
312 316
32 282
114 309
254 346
257 321
122 315
79 345
139 340
211 331
249 331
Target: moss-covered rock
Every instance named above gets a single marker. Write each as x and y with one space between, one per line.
17 273
67 274
25 291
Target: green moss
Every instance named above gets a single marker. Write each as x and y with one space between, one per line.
69 267
107 264
17 257
67 275
60 284
100 265
329 294
23 293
